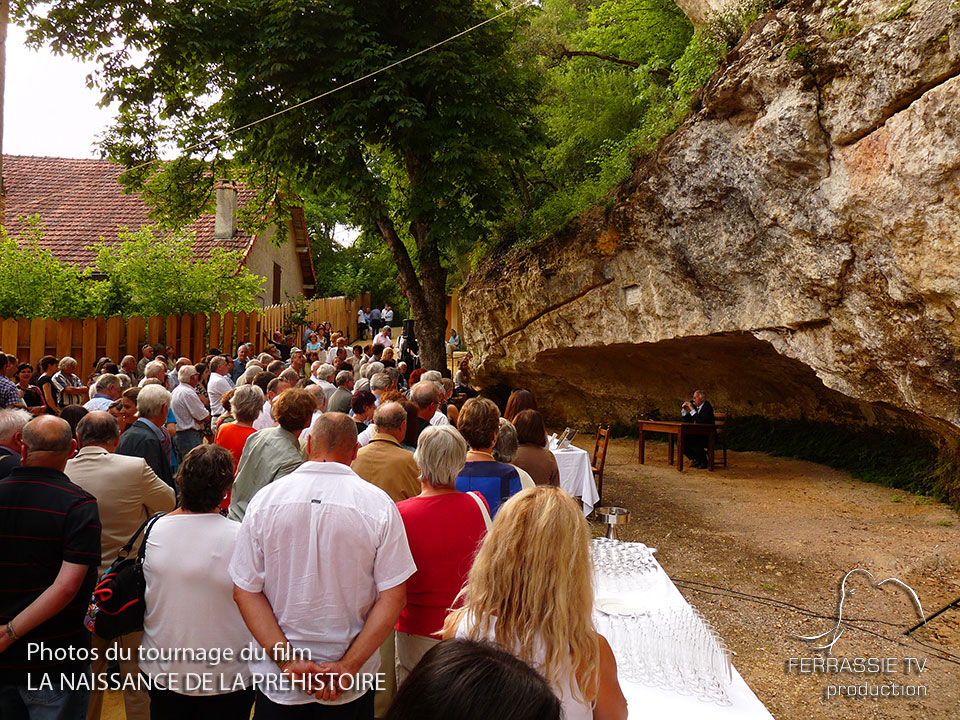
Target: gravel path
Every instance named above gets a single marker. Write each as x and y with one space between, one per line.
786 532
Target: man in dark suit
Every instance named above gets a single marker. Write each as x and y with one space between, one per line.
699 411
148 438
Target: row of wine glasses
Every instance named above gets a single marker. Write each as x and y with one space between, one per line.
674 648
621 566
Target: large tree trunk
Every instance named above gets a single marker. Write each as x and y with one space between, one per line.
427 297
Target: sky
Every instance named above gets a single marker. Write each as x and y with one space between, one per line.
48 109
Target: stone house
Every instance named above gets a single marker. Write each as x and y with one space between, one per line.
79 201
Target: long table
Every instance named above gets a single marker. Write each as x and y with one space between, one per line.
644 701
681 430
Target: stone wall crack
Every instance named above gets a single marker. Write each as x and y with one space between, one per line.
555 306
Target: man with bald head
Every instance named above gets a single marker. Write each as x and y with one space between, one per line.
49 554
320 566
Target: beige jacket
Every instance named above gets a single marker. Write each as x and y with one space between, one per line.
127 493
385 464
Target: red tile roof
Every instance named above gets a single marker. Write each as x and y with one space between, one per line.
79 201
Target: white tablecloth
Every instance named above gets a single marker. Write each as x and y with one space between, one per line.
656 593
576 475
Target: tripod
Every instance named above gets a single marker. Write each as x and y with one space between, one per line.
952 604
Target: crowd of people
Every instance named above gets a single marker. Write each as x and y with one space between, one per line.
330 515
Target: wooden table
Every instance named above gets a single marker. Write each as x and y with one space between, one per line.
681 430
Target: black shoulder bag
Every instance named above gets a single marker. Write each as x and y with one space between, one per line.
117 605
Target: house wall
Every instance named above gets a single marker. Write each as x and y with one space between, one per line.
263 255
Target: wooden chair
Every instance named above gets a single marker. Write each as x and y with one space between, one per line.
600 457
721 421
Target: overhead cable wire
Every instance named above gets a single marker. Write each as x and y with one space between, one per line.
227 133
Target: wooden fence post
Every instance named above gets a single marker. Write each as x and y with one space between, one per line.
8 339
36 338
199 338
227 340
154 328
112 348
88 351
214 330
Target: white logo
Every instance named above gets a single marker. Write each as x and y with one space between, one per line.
831 636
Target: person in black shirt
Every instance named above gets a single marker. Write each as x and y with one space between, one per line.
701 412
49 554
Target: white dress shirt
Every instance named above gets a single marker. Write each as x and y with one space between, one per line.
321 544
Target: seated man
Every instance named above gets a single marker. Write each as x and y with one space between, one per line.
699 411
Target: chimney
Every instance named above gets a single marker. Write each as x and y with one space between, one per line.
225 225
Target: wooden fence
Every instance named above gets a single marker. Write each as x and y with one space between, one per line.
189 335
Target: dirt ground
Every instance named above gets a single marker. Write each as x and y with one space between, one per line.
784 533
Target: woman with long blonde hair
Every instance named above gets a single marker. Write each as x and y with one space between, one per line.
530 591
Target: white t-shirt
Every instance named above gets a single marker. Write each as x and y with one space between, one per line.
321 544
439 419
366 436
217 385
265 418
189 604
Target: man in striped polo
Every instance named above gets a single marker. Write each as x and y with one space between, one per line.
50 550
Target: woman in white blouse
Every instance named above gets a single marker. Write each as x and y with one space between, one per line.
194 639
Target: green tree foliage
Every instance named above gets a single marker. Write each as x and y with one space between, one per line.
421 153
147 273
33 283
615 82
153 273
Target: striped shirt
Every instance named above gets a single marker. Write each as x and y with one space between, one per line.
45 520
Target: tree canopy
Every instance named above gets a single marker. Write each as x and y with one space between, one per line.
421 153
148 272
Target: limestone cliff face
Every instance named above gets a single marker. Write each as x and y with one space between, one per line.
794 247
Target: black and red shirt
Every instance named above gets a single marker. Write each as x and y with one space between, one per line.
45 520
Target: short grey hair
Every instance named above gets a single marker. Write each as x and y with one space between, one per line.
506 447
12 421
380 381
290 376
217 362
127 359
393 373
424 393
246 403
155 369
325 371
389 416
362 384
375 367
97 428
107 380
67 362
441 454
186 372
318 395
342 378
151 400
432 376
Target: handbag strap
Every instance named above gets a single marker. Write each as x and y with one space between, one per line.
148 526
125 550
482 506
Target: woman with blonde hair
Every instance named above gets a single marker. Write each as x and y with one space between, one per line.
530 591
